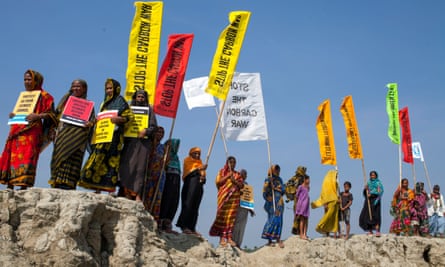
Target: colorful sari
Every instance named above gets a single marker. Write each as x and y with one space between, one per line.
69 149
100 171
18 162
419 210
400 210
228 202
328 198
155 182
272 228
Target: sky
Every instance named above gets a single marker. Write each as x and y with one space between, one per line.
305 51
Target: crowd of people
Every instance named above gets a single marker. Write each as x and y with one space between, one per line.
148 171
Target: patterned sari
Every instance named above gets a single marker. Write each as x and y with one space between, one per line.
18 162
69 150
228 203
100 171
272 228
400 210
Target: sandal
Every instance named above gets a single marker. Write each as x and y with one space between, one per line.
232 243
187 231
377 234
370 233
281 244
270 244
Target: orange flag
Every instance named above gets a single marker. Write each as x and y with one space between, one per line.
352 134
325 134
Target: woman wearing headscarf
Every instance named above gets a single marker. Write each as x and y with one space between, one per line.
100 171
194 178
135 155
273 191
229 183
172 186
400 209
70 143
156 176
419 211
329 200
18 162
370 216
436 213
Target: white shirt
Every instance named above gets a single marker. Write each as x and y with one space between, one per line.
436 206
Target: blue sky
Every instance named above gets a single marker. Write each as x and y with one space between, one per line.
305 51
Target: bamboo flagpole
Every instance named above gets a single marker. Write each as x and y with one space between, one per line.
418 154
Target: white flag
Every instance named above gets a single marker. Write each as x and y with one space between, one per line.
417 151
243 118
195 95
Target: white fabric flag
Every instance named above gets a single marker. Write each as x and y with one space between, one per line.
244 118
417 151
195 95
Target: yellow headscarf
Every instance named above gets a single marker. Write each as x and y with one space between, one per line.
328 190
191 164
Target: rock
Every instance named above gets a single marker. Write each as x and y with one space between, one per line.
50 227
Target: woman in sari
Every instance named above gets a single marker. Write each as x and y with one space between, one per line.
329 200
172 186
70 143
194 178
156 176
370 216
135 155
18 162
228 182
419 211
100 171
273 191
400 209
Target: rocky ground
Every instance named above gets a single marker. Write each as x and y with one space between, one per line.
49 227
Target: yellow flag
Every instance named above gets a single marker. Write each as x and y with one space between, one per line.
143 49
325 134
352 134
227 53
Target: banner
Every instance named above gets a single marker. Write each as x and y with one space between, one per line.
195 95
171 75
417 151
406 136
143 49
246 197
325 134
352 133
227 53
77 111
392 108
140 121
104 127
25 105
243 117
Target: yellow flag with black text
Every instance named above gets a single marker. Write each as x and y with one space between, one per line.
352 134
227 53
325 134
143 49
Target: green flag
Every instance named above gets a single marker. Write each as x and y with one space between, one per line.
392 108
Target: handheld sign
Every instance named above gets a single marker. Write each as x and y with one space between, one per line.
246 198
104 127
77 111
24 106
140 121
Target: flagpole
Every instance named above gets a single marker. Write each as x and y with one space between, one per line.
164 160
222 135
270 167
400 165
414 173
427 176
209 151
367 190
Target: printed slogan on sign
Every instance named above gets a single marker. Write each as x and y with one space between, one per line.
139 123
243 117
24 106
104 127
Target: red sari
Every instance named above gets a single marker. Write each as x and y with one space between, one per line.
18 162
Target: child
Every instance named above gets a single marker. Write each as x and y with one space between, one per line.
345 211
302 208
